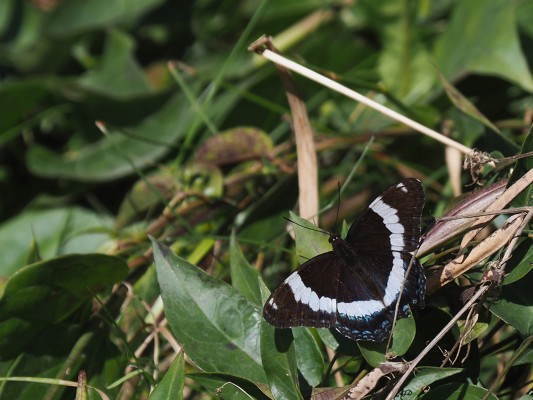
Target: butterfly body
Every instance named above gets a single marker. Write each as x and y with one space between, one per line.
355 287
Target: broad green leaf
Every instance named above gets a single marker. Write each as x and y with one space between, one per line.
50 232
335 341
118 74
329 339
526 357
309 242
279 361
521 263
171 386
20 98
524 13
244 277
76 16
125 150
515 305
463 104
230 387
473 333
467 46
458 391
263 220
308 356
218 327
423 378
48 292
37 367
404 61
522 166
6 7
58 353
402 337
71 279
119 152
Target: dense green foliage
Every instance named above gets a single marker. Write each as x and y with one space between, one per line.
148 162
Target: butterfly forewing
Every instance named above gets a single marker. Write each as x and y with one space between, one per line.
391 221
356 287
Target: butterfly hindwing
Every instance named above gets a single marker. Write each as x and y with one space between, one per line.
369 316
294 303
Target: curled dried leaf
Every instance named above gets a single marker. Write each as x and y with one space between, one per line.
486 248
447 227
235 145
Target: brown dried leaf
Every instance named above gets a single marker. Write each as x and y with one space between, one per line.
510 193
235 145
474 203
486 248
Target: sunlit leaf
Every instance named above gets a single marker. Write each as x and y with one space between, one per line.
218 327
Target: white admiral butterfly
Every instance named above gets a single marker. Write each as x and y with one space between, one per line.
355 287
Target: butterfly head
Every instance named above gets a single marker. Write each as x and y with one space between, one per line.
334 238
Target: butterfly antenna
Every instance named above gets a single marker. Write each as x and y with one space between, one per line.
338 207
307 227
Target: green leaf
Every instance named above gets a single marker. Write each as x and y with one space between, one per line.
458 391
46 293
526 357
423 378
76 16
403 62
521 263
118 74
52 232
279 361
263 220
20 98
309 242
308 356
230 387
171 386
463 104
402 337
123 151
218 327
515 305
117 154
468 46
329 339
522 166
44 362
244 277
